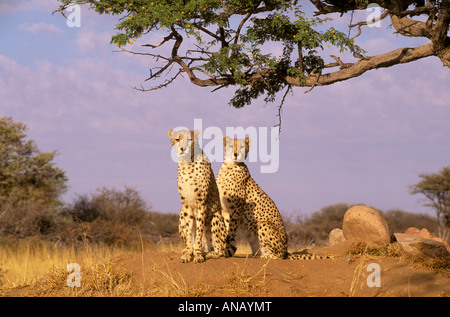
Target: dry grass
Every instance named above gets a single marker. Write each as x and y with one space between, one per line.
438 265
389 250
43 266
40 268
172 284
357 276
37 268
23 263
244 283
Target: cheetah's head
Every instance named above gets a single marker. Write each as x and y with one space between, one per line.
184 143
236 150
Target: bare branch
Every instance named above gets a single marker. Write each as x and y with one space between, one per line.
205 30
238 30
166 39
280 106
166 83
301 67
359 24
340 63
157 56
204 72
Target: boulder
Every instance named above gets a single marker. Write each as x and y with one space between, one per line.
421 247
365 224
424 233
336 236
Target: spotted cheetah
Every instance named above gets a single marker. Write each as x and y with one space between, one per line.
201 221
244 202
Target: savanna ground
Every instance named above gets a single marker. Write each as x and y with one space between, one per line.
121 252
40 269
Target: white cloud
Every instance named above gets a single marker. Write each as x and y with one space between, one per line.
40 27
89 41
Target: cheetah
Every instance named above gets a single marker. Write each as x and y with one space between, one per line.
200 222
244 202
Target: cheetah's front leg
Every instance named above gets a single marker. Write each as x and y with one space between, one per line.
232 218
218 235
200 225
185 227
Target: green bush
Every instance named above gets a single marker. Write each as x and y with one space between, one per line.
30 184
26 174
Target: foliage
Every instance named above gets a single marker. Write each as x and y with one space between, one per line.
232 43
29 179
234 50
436 189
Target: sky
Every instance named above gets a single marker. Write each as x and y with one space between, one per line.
364 140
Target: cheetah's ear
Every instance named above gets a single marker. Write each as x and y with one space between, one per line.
248 141
226 140
197 134
170 133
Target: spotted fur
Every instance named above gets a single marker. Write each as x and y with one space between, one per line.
244 202
201 224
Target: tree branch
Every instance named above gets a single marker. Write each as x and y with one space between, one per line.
398 56
408 27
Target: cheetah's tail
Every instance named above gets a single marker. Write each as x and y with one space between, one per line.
308 257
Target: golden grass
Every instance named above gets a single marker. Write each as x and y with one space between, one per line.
357 276
438 265
38 268
244 282
23 263
44 266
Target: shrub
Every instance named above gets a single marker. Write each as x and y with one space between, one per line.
83 209
101 231
28 219
400 220
160 223
315 228
115 217
126 207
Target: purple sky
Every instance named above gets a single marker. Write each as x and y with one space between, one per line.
360 141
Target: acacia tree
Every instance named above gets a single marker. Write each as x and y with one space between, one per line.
436 188
227 40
